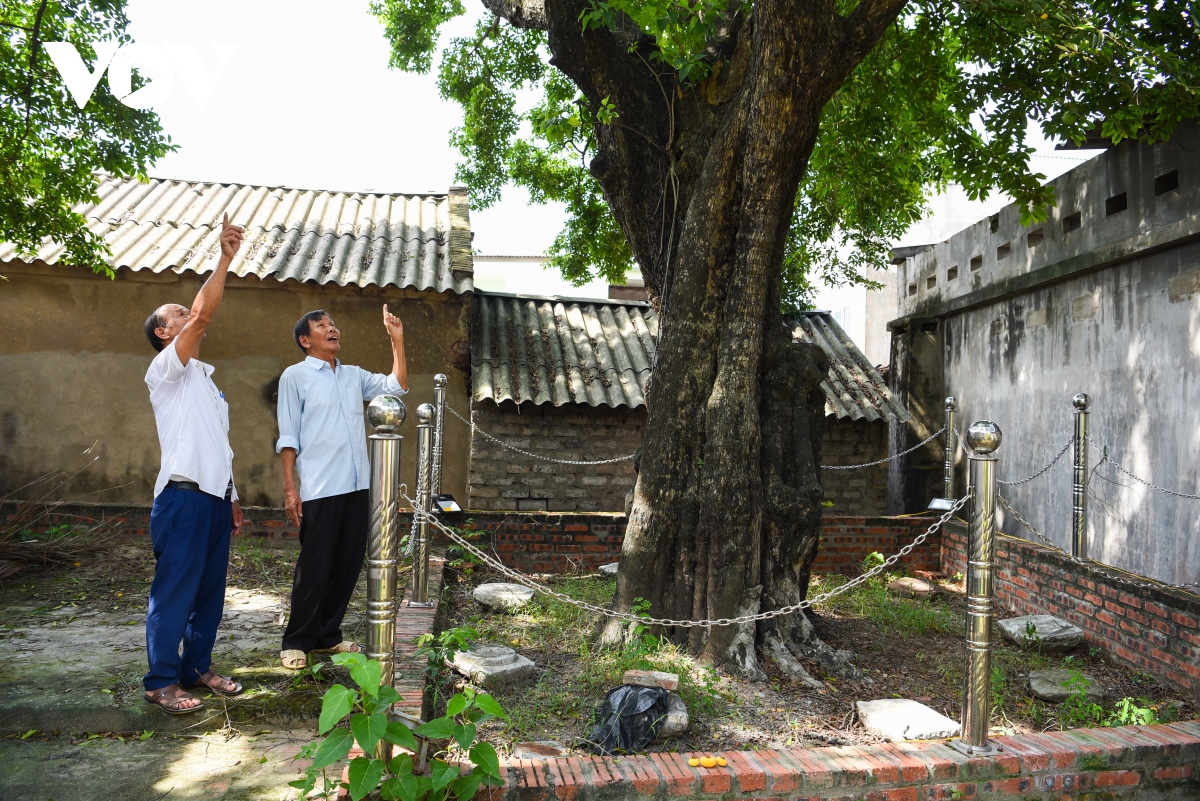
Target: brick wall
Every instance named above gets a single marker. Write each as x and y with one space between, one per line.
500 479
855 492
1153 629
846 541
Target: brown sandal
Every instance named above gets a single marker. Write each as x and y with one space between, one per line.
217 684
170 698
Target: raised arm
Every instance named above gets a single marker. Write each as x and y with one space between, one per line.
395 330
204 307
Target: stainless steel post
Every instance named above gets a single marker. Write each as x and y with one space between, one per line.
385 414
439 419
420 591
948 463
984 438
1079 485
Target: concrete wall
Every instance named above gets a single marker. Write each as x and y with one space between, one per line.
501 479
75 354
1107 304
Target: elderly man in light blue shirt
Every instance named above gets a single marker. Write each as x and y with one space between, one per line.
323 436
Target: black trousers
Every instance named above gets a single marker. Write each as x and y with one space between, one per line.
333 542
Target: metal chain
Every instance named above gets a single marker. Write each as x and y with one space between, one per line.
1041 472
652 621
1142 481
1104 570
412 532
503 444
932 436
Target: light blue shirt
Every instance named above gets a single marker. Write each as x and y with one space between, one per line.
321 417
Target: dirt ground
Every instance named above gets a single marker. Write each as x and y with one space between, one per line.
907 648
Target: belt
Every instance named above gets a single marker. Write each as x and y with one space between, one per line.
192 486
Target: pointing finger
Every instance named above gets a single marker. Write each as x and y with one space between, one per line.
225 220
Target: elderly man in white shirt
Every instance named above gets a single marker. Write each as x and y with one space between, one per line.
322 434
195 504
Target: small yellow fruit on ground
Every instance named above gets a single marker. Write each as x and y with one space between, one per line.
722 762
708 762
695 763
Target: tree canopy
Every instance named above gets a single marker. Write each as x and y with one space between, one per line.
945 96
50 149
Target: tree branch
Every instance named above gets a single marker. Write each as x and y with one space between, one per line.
862 29
527 14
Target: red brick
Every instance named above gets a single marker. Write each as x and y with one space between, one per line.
677 782
947 792
1173 773
1117 778
897 794
912 769
1184 620
1020 785
1062 753
640 772
781 776
750 777
941 760
816 772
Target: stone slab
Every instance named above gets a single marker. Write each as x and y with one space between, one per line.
899 719
1045 632
677 721
502 596
609 569
1058 684
539 749
652 678
492 666
912 586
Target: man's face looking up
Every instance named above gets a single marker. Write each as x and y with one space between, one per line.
174 317
323 340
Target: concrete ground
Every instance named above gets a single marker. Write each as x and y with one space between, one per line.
166 767
72 714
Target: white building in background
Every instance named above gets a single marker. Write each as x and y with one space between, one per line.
529 275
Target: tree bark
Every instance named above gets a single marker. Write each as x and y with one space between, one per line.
703 179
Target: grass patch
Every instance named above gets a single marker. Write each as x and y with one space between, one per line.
890 611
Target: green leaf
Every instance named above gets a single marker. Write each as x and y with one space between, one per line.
367 675
442 773
407 787
369 730
349 659
437 729
335 705
490 705
390 789
334 748
399 734
464 736
465 787
456 705
364 776
484 756
387 696
401 765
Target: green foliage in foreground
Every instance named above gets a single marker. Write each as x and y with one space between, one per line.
350 716
50 149
946 96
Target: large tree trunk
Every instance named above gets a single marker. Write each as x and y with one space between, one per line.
703 180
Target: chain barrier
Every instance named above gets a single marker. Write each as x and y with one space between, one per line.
925 441
410 546
1103 569
1041 472
1142 481
521 578
515 449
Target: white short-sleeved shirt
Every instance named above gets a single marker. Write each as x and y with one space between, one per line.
193 423
321 418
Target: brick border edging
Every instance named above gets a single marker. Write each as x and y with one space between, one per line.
1124 761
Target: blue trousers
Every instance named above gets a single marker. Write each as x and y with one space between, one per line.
190 534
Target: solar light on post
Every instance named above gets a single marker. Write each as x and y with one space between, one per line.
386 413
1079 482
983 438
420 590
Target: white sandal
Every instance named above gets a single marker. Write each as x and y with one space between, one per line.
293 659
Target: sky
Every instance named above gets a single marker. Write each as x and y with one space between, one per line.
303 97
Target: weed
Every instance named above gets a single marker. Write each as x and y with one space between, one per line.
1077 710
1131 712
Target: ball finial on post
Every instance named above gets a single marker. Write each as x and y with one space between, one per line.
425 414
984 437
1081 401
440 380
951 404
386 413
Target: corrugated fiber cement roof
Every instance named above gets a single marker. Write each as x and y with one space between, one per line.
346 238
595 352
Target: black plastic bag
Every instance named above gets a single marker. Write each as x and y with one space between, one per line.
629 719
